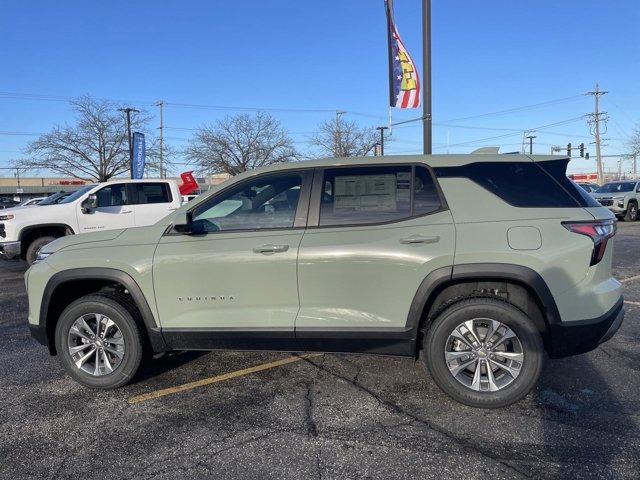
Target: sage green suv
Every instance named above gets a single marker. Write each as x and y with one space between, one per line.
481 265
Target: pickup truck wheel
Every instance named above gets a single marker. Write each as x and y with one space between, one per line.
484 352
99 342
632 212
35 245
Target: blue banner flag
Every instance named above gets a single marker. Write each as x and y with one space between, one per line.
139 155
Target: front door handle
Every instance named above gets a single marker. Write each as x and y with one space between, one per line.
269 248
410 240
126 211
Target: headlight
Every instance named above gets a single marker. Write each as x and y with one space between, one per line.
41 256
7 217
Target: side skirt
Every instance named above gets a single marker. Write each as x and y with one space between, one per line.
397 342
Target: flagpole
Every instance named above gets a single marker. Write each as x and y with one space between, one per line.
426 76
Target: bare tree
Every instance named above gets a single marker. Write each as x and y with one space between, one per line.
239 143
95 147
340 138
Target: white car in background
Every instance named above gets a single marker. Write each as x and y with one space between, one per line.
104 206
31 202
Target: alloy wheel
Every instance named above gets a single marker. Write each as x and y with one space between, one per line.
95 344
484 355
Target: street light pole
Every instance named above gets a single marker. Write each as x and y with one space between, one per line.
382 129
426 77
127 111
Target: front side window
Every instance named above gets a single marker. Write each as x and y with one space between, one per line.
264 203
369 195
153 193
112 195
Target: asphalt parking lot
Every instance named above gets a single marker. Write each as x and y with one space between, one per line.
325 416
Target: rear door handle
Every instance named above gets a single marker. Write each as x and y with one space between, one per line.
419 239
126 211
269 248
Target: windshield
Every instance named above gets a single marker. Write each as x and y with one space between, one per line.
51 199
77 194
616 187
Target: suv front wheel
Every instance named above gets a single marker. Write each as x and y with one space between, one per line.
99 342
484 352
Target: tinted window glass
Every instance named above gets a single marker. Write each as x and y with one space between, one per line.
524 184
112 196
153 193
362 195
616 187
558 170
425 194
266 203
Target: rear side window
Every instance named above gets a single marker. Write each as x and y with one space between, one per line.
153 193
370 195
525 184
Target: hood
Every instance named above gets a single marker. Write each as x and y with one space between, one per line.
69 240
610 195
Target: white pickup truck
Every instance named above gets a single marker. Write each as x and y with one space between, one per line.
103 206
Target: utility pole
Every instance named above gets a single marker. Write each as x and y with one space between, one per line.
127 111
382 129
531 137
426 77
161 128
595 119
337 135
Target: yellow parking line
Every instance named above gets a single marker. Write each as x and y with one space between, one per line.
218 378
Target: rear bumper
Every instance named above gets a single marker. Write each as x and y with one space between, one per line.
573 338
9 250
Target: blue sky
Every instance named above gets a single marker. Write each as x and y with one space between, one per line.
328 55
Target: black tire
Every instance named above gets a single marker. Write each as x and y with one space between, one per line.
35 245
480 308
632 212
122 316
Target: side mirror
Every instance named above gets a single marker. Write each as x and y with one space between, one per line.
91 203
183 223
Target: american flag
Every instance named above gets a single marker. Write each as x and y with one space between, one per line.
404 83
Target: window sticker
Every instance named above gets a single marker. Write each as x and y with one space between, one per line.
366 193
403 186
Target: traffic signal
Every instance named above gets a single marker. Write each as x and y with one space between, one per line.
582 150
569 150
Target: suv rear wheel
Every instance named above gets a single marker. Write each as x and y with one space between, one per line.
99 342
484 352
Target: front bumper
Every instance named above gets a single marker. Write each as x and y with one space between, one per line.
39 333
574 338
9 250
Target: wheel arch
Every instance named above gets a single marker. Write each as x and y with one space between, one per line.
31 232
69 285
446 283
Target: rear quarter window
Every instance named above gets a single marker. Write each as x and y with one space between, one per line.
525 184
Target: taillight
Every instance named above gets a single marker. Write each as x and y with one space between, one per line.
600 231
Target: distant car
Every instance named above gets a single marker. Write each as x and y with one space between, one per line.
589 187
31 202
622 198
55 198
7 203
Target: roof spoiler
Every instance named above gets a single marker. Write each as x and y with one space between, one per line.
486 151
